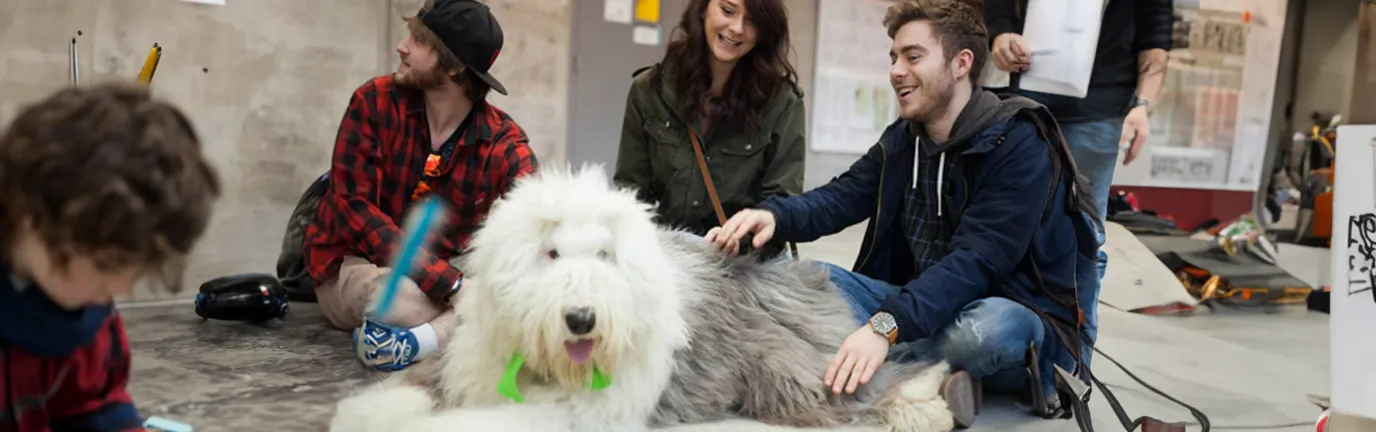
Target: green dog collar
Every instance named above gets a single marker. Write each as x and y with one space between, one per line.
507 386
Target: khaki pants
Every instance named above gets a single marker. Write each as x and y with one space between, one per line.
343 299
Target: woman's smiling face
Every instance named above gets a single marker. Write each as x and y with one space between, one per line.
729 34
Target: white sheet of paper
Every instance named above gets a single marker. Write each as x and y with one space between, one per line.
618 11
1354 273
646 35
992 77
209 2
1063 35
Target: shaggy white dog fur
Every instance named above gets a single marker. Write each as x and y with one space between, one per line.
573 275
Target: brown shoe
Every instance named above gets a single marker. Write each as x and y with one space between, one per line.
962 395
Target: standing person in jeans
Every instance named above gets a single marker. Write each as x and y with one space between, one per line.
725 78
426 130
1129 70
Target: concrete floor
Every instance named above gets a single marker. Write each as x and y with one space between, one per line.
1246 369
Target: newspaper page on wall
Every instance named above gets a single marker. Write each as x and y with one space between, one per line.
1354 272
1211 122
852 99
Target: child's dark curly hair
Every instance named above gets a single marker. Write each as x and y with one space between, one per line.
106 172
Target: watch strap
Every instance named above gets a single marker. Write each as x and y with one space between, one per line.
1140 101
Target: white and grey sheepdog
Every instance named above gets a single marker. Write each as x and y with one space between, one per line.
625 326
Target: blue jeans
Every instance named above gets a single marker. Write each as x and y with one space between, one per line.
988 338
1094 145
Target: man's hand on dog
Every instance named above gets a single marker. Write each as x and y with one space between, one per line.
860 355
727 237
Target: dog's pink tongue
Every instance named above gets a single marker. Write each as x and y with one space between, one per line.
579 351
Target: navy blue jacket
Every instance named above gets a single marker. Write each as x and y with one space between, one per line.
997 196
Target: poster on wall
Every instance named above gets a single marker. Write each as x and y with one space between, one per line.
1211 122
852 100
1353 309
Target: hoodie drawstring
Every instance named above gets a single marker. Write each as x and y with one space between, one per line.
917 159
940 169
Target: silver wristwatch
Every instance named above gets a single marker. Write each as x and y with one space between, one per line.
884 324
1140 101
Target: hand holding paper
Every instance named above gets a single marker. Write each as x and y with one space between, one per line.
1011 53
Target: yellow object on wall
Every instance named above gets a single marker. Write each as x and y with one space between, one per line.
150 64
647 10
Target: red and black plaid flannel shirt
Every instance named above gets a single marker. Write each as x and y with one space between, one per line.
83 390
379 159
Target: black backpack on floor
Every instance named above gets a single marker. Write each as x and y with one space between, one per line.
291 265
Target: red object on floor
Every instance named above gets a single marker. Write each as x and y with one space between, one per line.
1132 201
1190 207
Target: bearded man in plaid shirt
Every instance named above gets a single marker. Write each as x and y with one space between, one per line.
424 130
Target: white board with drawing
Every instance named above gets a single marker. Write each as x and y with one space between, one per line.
1353 299
852 101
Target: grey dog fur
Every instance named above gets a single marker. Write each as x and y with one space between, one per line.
763 334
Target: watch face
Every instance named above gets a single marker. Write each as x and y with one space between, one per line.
883 322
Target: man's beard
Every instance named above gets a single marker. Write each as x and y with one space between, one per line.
423 80
936 98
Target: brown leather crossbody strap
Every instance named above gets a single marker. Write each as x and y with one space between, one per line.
707 178
712 189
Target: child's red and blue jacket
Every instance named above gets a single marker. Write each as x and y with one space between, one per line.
61 370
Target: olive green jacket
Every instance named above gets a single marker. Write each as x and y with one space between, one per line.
656 157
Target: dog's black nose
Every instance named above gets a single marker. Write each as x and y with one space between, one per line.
580 320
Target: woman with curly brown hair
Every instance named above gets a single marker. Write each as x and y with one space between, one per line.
726 86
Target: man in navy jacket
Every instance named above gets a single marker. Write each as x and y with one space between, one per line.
978 248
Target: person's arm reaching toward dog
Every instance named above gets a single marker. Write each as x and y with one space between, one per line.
993 236
354 175
828 209
1155 18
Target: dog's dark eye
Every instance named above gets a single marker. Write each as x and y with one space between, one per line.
552 254
603 254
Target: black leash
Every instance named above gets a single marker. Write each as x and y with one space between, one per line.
1199 416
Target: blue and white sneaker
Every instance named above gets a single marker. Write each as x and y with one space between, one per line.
383 347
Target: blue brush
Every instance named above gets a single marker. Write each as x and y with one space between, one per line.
423 218
156 423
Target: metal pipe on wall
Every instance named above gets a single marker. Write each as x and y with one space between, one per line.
76 78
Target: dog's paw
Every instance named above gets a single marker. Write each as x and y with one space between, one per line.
380 409
924 387
918 406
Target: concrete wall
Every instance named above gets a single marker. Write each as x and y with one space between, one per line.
1328 45
1361 109
802 26
265 82
802 14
